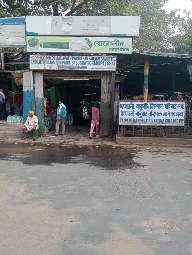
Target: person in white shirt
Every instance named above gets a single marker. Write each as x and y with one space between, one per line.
60 119
30 124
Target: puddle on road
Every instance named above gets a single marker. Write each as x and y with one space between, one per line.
106 156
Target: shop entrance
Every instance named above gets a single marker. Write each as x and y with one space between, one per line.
76 93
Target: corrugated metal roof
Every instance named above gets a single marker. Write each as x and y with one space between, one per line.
167 63
160 54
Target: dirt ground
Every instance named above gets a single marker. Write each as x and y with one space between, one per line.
74 135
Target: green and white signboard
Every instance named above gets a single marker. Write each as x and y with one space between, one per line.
66 44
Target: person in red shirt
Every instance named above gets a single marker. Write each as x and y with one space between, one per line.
18 100
49 109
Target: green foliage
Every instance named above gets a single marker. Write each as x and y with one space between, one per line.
159 31
154 30
181 40
65 7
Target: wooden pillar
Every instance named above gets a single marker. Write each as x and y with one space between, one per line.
39 100
116 101
107 103
28 93
146 77
173 85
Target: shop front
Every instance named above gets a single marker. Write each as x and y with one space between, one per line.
77 80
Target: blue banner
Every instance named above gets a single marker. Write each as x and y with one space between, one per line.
12 21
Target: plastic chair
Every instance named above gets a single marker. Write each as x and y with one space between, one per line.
30 134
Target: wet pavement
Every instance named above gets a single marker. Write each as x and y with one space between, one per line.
103 156
94 199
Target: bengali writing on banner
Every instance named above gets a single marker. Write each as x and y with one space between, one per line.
152 113
53 62
66 44
83 25
12 32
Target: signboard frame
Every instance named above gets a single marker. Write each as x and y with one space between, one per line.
83 25
12 32
87 63
65 44
151 113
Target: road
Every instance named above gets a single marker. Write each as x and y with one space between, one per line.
59 199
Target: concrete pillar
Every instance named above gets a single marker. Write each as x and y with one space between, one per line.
39 100
28 93
107 103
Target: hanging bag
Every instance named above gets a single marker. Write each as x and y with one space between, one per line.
63 113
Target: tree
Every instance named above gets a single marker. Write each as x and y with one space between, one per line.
155 28
181 40
64 7
162 32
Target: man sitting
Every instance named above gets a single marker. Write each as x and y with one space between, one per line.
30 124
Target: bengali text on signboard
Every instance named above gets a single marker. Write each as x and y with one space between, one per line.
51 62
88 45
12 32
152 113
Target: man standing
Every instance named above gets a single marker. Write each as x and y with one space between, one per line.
95 118
2 108
61 117
30 124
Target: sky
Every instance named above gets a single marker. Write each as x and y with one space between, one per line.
178 4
